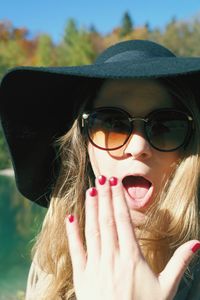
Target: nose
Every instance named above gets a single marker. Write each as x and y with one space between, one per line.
138 147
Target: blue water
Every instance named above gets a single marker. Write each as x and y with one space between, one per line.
20 220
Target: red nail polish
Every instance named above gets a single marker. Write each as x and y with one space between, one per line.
102 179
113 181
93 192
196 247
71 218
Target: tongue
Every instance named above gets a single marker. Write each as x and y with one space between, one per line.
136 186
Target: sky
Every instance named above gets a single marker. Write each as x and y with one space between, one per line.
50 16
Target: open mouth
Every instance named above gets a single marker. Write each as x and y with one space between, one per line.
138 188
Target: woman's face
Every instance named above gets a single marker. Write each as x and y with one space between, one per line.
142 169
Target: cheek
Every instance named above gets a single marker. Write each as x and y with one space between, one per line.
93 159
100 161
168 163
165 166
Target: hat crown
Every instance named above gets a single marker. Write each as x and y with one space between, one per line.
134 50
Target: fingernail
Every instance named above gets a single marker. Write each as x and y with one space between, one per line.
102 179
92 191
113 181
196 247
71 218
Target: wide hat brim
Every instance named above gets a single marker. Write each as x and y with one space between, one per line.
39 104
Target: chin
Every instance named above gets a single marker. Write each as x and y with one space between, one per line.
138 217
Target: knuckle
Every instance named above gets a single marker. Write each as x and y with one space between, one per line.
92 233
104 192
108 221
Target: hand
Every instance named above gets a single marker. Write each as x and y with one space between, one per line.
112 267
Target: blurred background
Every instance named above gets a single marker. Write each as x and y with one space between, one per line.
63 32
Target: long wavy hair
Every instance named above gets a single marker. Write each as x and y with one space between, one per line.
172 220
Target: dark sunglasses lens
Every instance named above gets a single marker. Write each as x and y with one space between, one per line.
167 130
108 128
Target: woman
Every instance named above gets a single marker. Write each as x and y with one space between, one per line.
117 164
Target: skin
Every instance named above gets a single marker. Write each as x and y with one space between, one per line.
112 266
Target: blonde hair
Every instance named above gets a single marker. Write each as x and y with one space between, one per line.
159 237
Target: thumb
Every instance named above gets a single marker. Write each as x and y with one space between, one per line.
171 276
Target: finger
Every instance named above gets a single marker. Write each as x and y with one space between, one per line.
76 249
126 236
109 239
92 232
174 271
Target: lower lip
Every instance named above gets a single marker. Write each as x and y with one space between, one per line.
138 204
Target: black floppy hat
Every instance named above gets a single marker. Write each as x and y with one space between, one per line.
39 104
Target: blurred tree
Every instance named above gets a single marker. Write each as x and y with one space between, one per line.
71 31
20 223
12 53
92 29
170 35
97 41
155 35
19 33
194 38
45 51
177 37
139 33
6 28
127 25
76 47
15 47
4 155
147 26
113 37
3 66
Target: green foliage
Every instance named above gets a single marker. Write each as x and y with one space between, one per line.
45 51
76 47
71 32
20 295
182 37
3 66
12 53
4 155
127 25
20 222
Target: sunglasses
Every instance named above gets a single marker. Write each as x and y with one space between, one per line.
110 128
